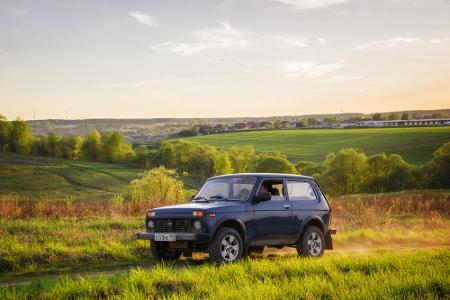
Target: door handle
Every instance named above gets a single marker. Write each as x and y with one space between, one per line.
287 206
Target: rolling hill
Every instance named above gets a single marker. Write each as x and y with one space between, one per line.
415 144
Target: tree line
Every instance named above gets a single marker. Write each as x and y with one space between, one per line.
110 146
347 171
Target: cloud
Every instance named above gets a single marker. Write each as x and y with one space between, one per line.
310 4
322 40
221 37
291 40
19 12
301 70
388 43
309 69
144 19
393 42
438 41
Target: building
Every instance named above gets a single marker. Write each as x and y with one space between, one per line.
400 123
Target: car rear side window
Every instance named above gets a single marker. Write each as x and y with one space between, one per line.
300 191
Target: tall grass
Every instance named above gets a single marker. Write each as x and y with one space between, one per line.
54 236
409 275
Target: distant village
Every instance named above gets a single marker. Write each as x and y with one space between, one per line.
154 130
310 123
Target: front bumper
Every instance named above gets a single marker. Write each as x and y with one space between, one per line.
180 236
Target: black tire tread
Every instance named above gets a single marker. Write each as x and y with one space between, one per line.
214 245
302 243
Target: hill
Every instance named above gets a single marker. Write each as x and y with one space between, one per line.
45 178
416 144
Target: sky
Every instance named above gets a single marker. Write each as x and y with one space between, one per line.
226 58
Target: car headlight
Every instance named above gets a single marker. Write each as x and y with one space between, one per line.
198 225
151 225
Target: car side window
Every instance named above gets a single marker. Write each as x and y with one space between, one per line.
300 191
275 187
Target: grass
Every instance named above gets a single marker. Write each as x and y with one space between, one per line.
416 145
44 178
380 275
53 239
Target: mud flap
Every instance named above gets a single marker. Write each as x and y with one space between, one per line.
328 242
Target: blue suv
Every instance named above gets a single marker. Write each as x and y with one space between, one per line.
233 215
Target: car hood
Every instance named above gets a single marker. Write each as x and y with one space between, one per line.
207 207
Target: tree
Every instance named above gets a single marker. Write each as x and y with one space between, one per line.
222 164
91 149
388 173
5 131
242 159
114 149
393 117
53 144
40 145
275 164
20 137
377 117
142 157
166 155
437 171
344 172
405 116
308 168
71 147
157 186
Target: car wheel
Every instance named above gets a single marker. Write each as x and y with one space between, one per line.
227 246
311 243
257 250
161 251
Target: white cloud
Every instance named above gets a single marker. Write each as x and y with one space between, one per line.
214 38
144 19
302 70
438 41
311 4
309 69
19 12
291 40
393 42
322 40
340 78
388 43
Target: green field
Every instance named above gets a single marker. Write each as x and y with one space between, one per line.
416 145
45 178
374 275
59 179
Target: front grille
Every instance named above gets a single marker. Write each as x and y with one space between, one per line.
173 225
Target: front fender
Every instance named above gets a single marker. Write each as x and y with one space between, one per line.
230 219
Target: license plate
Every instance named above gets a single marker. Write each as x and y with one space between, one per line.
165 237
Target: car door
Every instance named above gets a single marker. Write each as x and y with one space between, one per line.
304 200
273 219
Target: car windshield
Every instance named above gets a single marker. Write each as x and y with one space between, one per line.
227 188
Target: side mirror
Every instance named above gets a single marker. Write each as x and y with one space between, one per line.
261 197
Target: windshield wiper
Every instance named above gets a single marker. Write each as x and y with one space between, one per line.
200 199
218 197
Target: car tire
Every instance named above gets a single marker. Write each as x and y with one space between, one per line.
311 243
161 251
226 246
257 250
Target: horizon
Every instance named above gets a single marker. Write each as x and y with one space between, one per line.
209 59
242 117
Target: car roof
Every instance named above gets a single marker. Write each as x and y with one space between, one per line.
265 175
